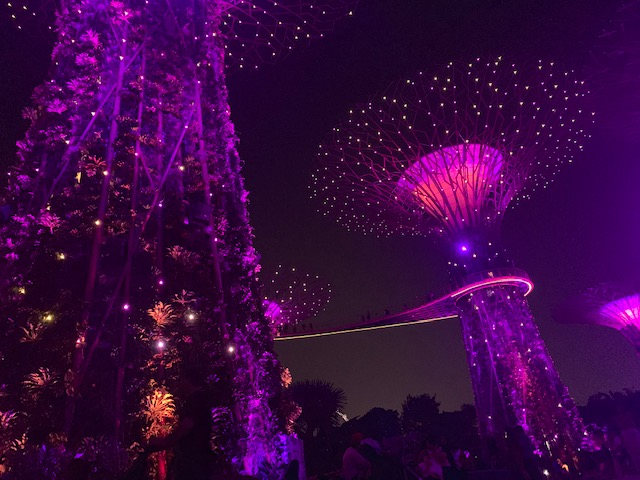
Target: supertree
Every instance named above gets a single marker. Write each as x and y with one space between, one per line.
291 297
126 247
607 305
447 154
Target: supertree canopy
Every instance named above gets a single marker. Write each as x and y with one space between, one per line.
606 305
623 314
291 297
447 153
125 242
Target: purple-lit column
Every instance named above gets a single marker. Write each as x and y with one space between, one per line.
514 379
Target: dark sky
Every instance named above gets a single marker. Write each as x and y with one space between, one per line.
584 230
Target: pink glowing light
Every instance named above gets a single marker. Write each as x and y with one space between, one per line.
621 312
609 307
454 183
272 311
492 282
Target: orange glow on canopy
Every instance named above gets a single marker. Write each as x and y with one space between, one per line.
453 184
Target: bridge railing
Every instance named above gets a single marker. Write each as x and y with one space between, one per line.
441 305
488 274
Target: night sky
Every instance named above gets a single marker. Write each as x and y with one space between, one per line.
583 230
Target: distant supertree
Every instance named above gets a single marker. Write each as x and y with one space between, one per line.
125 242
607 305
447 154
291 297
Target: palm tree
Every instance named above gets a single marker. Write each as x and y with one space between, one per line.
320 402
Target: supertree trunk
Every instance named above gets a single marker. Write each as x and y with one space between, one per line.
131 170
515 381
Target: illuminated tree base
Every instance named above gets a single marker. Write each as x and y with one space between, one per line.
514 379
